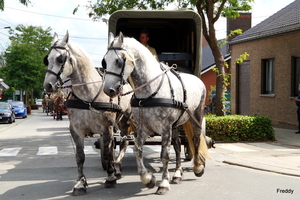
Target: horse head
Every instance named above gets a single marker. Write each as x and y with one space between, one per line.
118 63
59 63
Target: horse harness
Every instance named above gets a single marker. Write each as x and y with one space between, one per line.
150 101
77 102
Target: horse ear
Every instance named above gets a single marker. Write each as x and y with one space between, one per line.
110 38
55 38
65 39
121 37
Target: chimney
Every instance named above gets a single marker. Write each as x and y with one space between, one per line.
242 22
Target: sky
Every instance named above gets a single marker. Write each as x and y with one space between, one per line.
91 35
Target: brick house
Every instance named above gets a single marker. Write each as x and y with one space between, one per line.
208 76
267 81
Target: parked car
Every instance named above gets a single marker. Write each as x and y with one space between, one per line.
7 113
19 108
39 102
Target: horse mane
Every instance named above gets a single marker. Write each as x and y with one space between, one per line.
80 53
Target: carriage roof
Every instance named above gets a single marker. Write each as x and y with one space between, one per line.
175 34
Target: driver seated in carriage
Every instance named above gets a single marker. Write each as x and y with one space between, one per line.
144 38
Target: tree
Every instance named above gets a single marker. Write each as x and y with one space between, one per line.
25 2
24 68
209 10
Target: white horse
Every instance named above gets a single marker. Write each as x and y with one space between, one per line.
161 102
90 111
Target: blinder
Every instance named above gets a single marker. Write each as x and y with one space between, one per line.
103 63
46 62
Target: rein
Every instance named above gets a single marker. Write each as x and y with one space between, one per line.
149 82
78 84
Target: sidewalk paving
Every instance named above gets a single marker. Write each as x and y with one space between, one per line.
281 156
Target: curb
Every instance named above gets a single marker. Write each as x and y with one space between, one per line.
261 168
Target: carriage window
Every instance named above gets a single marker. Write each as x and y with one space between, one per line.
295 75
268 68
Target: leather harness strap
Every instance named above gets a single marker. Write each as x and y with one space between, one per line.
106 106
158 102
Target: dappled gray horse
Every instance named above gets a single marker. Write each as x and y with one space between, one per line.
163 100
90 111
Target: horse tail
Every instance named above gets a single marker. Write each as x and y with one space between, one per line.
131 128
202 148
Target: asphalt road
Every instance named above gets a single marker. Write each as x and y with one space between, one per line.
37 161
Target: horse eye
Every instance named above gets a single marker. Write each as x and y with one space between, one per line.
120 62
60 59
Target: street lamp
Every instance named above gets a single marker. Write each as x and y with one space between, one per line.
6 27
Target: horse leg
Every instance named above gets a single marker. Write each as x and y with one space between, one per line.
200 147
178 176
125 130
60 114
164 186
81 185
118 163
147 178
108 156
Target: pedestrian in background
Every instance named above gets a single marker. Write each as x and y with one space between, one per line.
297 100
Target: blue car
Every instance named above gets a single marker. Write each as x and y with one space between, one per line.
7 114
19 108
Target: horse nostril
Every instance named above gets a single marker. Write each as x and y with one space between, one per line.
49 87
112 91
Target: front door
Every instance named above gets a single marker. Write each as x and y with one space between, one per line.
244 88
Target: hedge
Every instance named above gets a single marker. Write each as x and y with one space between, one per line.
237 128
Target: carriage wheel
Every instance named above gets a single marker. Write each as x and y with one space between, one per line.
187 152
101 146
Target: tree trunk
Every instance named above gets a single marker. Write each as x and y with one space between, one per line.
220 74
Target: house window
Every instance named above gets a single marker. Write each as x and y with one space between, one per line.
268 76
295 75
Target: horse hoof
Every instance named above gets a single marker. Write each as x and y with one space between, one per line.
110 184
176 180
152 182
200 173
119 176
80 187
79 191
162 190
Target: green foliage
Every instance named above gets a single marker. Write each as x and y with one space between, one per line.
24 68
237 128
226 8
24 2
242 58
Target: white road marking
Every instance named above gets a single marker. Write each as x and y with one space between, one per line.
47 151
10 151
53 150
89 150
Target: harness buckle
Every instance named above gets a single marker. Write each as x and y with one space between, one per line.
185 106
140 103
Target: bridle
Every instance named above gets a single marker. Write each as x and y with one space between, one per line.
60 59
120 61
